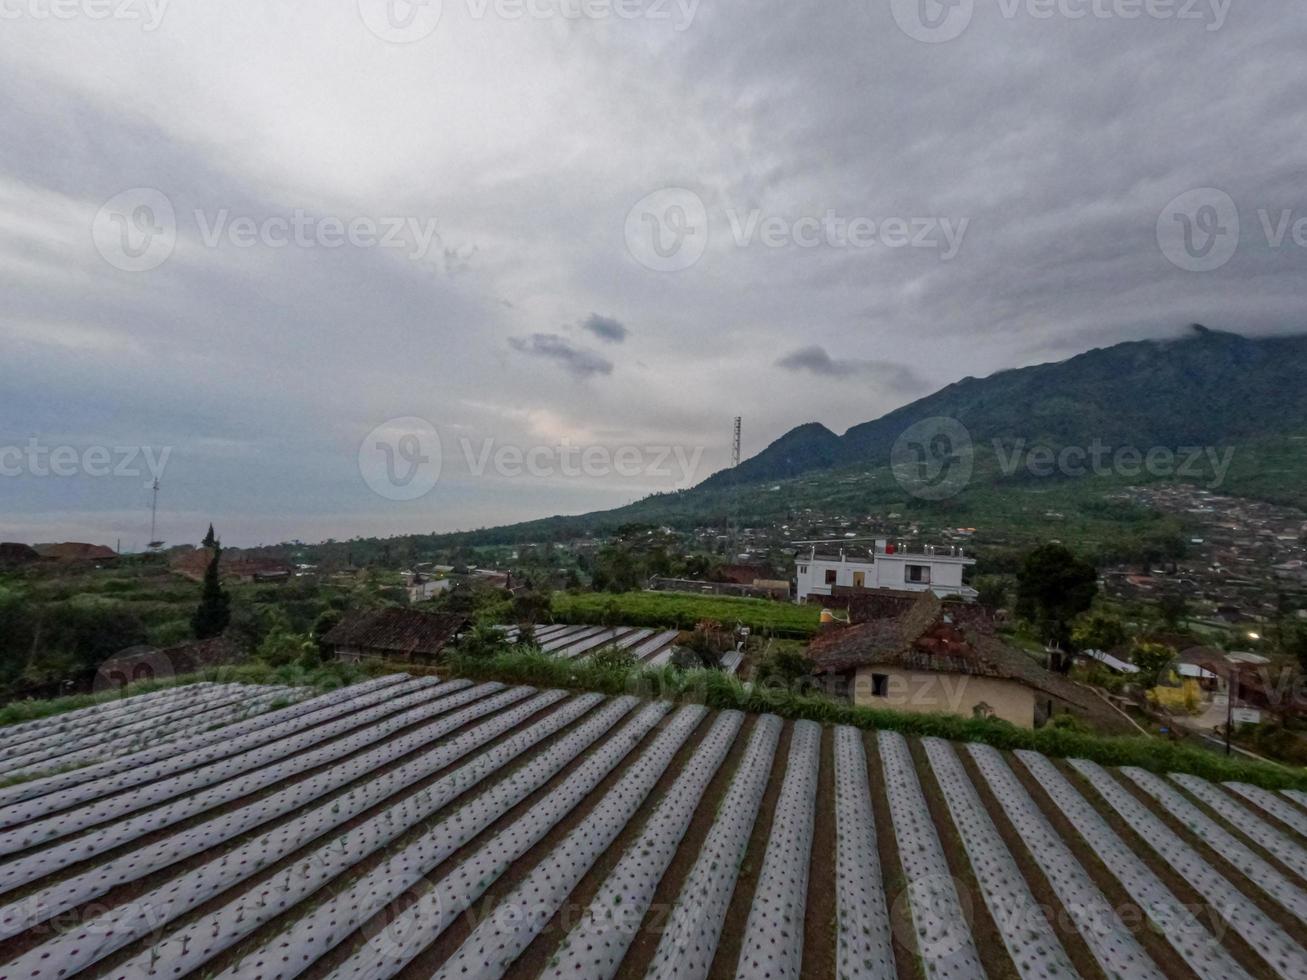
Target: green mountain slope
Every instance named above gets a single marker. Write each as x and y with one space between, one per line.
1206 389
1246 398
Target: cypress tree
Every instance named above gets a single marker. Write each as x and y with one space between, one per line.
214 611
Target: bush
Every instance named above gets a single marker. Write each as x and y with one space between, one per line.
782 666
483 641
719 691
613 658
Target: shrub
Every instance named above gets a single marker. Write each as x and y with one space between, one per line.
722 692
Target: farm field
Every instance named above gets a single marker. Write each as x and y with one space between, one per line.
420 827
650 647
675 610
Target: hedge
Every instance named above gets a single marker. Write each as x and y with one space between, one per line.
721 691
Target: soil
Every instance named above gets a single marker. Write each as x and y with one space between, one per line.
737 916
645 945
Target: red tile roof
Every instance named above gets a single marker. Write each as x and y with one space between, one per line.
395 631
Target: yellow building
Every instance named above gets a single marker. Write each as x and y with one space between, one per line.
924 661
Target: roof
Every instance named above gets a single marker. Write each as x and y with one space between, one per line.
1114 663
75 551
925 638
194 563
403 631
740 574
13 553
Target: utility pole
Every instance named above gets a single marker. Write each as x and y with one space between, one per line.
735 444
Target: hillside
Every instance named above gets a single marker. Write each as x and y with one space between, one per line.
1206 389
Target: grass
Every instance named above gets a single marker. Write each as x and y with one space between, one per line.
673 610
722 692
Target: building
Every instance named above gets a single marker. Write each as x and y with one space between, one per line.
13 554
888 566
76 551
233 567
923 661
405 635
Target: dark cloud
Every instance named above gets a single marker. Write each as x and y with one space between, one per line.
815 360
606 328
578 360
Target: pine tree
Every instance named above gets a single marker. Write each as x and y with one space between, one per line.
209 540
214 611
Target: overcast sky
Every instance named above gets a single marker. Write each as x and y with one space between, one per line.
288 245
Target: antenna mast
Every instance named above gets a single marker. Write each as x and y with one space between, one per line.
735 444
154 516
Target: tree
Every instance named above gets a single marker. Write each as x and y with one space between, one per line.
1053 588
1173 609
534 606
1099 630
209 540
991 592
1295 644
214 611
1151 659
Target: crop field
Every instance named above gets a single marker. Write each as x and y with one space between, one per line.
650 647
677 610
420 827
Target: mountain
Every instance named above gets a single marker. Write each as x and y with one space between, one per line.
1204 389
1208 388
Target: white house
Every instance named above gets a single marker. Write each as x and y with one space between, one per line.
888 566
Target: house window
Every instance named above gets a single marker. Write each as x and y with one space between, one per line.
803 569
917 573
830 576
880 685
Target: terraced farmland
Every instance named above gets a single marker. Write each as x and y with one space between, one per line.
424 828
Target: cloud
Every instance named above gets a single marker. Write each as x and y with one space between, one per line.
558 129
579 361
606 328
815 360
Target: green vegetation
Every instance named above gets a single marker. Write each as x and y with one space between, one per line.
1053 588
674 610
722 692
214 611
